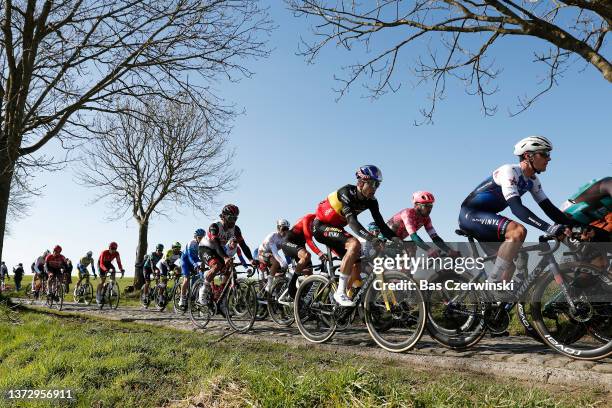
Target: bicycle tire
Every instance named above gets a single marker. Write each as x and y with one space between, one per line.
281 314
398 307
240 306
315 289
199 313
579 349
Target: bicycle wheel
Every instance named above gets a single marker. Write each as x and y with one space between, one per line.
199 313
88 294
314 309
280 313
240 306
455 319
161 297
582 333
59 293
175 296
398 310
262 302
112 293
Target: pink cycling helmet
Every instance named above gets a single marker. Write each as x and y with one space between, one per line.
423 197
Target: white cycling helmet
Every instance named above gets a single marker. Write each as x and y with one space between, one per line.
532 144
282 223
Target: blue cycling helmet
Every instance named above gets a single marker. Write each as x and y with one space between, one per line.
369 172
373 227
199 232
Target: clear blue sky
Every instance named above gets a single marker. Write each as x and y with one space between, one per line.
295 144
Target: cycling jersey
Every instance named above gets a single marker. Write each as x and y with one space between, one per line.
592 202
38 265
84 262
151 260
55 262
409 221
508 181
231 252
302 231
271 245
106 259
169 259
212 245
341 208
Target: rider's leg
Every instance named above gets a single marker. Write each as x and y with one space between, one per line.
353 252
514 238
274 271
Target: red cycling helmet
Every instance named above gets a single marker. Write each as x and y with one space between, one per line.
112 245
423 197
230 210
57 249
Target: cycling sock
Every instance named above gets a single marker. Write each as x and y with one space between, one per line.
342 285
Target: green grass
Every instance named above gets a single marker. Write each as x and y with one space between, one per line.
124 364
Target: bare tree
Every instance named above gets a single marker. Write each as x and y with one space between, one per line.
144 167
20 200
466 32
63 60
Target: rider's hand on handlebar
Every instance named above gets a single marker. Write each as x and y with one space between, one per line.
433 253
559 231
323 258
228 262
122 272
255 263
454 254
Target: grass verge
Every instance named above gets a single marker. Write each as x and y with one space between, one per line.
124 364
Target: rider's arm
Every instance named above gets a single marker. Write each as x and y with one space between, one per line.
435 237
274 249
555 214
242 261
308 237
525 214
93 266
378 219
243 245
192 253
215 243
419 242
119 261
101 263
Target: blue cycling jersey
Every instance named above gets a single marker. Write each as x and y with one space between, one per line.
508 181
191 256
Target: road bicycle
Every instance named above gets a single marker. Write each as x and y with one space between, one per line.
55 293
563 300
390 303
110 291
235 299
83 291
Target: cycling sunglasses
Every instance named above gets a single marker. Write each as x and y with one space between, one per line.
544 153
373 183
231 217
425 205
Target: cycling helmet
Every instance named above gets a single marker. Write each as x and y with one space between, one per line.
199 232
230 209
373 227
369 172
113 245
422 197
89 254
177 245
47 252
159 247
282 223
57 249
532 144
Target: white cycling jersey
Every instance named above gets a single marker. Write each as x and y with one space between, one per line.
271 245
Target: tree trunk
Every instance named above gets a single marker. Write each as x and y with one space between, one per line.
6 177
141 251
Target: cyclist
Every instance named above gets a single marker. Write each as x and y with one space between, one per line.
149 267
212 249
105 265
268 251
504 188
592 205
166 264
190 261
82 265
341 208
38 269
408 221
232 249
54 264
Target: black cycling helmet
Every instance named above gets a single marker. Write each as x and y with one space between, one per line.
230 210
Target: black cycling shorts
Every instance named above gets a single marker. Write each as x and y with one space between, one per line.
333 237
291 249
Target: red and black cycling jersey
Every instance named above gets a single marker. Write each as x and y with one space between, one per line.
106 258
55 262
341 208
218 235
